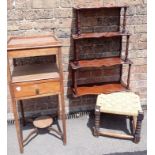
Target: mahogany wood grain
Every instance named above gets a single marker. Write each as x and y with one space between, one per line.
35 72
128 78
127 47
100 7
124 19
98 89
102 62
106 62
99 35
78 22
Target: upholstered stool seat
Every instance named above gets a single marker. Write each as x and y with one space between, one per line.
120 103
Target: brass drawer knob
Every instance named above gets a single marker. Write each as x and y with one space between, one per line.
37 91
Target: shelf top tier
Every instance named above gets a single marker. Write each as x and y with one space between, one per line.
98 89
31 42
100 7
99 35
35 72
95 63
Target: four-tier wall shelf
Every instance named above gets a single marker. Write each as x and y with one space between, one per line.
82 63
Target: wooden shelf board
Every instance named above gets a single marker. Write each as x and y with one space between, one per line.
98 89
99 35
16 43
35 72
95 63
100 7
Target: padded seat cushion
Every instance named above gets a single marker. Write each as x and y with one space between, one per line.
121 103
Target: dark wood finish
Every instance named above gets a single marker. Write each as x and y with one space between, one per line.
78 64
74 77
138 127
100 7
97 121
95 63
121 68
42 122
99 35
52 129
124 20
127 48
135 136
34 131
33 81
98 89
128 79
75 50
78 22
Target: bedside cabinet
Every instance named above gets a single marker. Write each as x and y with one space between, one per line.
37 80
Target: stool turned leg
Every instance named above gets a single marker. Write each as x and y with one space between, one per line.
134 123
97 121
131 124
138 127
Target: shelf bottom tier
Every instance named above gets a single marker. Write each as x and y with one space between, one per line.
98 89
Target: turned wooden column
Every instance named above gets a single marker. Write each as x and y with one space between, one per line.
138 127
97 121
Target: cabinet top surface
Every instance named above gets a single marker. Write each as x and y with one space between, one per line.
100 7
17 43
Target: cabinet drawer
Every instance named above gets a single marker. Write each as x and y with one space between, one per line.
28 90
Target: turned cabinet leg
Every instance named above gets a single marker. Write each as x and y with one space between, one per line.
22 113
97 121
18 127
138 127
62 116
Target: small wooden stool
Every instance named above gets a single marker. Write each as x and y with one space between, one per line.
121 103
